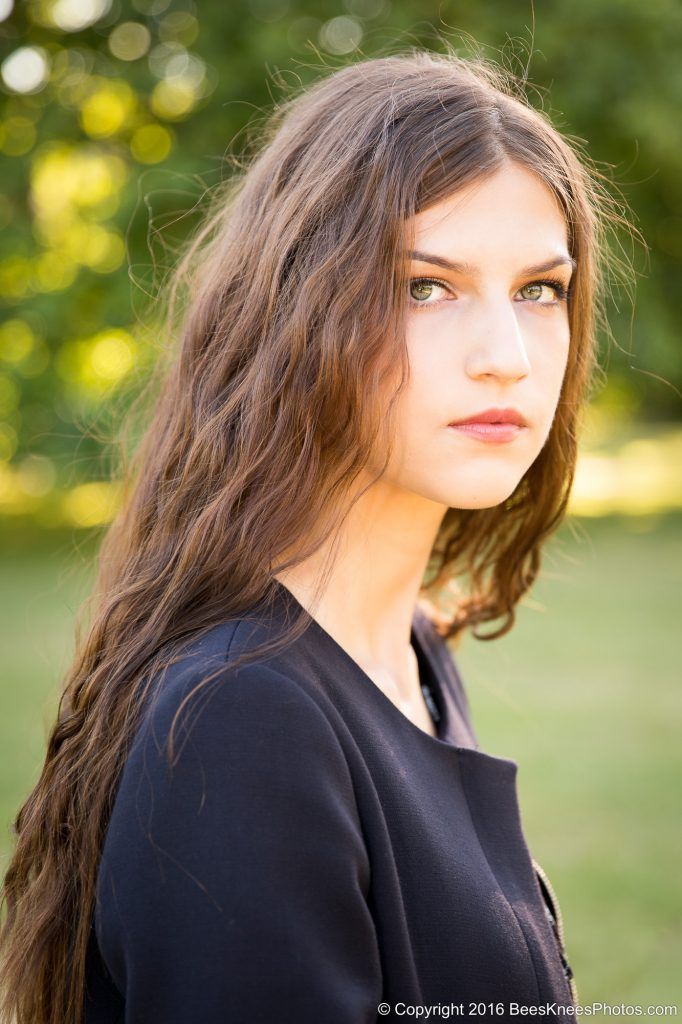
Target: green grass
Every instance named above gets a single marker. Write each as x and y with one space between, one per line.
584 694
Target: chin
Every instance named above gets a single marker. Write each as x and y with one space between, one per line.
478 503
477 494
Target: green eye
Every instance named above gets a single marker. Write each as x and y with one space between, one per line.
537 293
420 290
551 284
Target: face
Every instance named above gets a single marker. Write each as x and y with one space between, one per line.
491 335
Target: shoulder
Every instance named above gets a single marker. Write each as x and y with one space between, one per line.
226 746
234 715
250 839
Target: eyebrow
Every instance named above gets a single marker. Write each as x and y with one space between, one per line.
472 271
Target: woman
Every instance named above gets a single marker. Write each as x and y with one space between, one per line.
264 799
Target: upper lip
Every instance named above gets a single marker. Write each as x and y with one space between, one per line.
494 416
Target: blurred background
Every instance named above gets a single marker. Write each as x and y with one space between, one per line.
116 119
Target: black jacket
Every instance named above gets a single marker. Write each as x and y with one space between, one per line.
314 854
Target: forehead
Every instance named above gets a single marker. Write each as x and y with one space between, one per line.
511 213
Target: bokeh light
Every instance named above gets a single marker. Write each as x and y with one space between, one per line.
130 40
73 188
92 366
180 26
17 340
75 15
91 504
151 143
108 108
17 136
26 70
340 35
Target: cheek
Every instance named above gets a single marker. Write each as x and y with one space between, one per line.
549 359
435 361
430 339
413 410
431 387
549 374
415 419
412 420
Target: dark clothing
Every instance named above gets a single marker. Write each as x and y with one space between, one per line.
314 853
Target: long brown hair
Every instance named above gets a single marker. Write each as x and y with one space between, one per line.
289 304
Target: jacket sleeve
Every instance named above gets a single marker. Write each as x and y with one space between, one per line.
233 888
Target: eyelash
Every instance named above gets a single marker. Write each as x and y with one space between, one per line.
562 294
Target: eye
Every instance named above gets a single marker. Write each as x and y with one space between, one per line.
424 292
422 289
552 285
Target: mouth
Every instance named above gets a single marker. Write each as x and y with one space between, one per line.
493 425
493 433
509 415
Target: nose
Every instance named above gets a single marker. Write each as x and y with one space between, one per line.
499 350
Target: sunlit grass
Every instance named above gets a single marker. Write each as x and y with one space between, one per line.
638 476
584 694
642 476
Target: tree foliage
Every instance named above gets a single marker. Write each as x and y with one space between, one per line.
117 118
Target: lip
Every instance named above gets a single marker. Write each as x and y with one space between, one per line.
492 433
493 416
494 426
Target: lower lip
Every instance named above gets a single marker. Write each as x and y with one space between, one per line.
492 433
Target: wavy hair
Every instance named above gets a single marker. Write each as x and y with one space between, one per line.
289 306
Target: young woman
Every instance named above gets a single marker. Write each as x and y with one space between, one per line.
264 799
